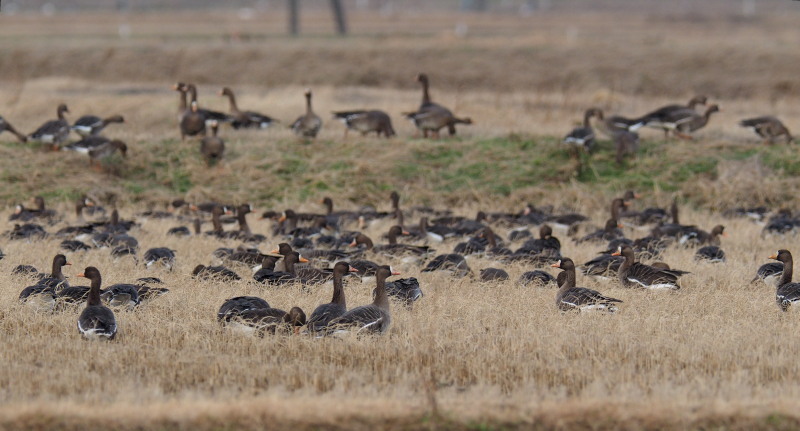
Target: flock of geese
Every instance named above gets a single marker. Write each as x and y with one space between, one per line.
678 120
315 249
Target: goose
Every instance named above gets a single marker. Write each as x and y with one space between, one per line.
235 306
268 275
6 126
160 255
245 119
432 117
638 275
38 212
769 128
101 152
684 121
371 318
56 278
405 290
787 293
603 266
393 248
192 122
712 252
212 147
452 262
53 132
270 320
493 274
366 122
611 231
569 297
122 295
207 114
307 125
537 278
769 273
584 137
656 119
91 125
324 313
73 245
96 321
216 273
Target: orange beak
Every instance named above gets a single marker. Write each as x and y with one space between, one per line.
556 265
302 259
395 272
353 244
405 232
616 253
283 218
619 225
353 269
80 275
774 256
274 251
725 234
67 263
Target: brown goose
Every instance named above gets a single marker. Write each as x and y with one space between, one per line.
788 293
393 248
307 125
639 275
611 231
212 147
207 114
583 137
97 154
657 118
96 321
192 122
372 318
6 126
569 297
432 117
245 119
324 313
92 125
684 121
270 320
366 122
53 132
769 128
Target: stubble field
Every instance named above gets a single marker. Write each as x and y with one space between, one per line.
716 354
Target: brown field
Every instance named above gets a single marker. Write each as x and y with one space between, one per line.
717 354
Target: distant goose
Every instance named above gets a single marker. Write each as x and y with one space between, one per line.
53 132
570 297
122 295
366 122
432 117
269 321
92 125
493 274
536 278
788 293
309 124
584 137
236 306
160 255
638 275
212 147
769 128
660 117
216 273
96 321
245 119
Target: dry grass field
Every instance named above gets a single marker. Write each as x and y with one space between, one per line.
716 354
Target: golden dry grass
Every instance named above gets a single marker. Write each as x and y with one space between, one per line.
716 354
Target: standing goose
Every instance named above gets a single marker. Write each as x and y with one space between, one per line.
6 126
685 121
372 318
245 119
366 122
787 293
192 122
307 125
324 313
658 118
583 137
432 117
570 297
212 147
53 132
91 125
207 114
96 321
769 128
639 275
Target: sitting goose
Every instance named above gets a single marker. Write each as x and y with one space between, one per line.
787 293
270 320
769 273
657 118
160 255
53 132
536 278
712 253
6 126
366 122
583 137
212 147
245 119
235 306
770 128
96 321
307 125
92 125
611 231
218 273
432 117
372 318
570 297
635 274
104 151
324 313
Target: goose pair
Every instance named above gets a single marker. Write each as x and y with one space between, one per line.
680 120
